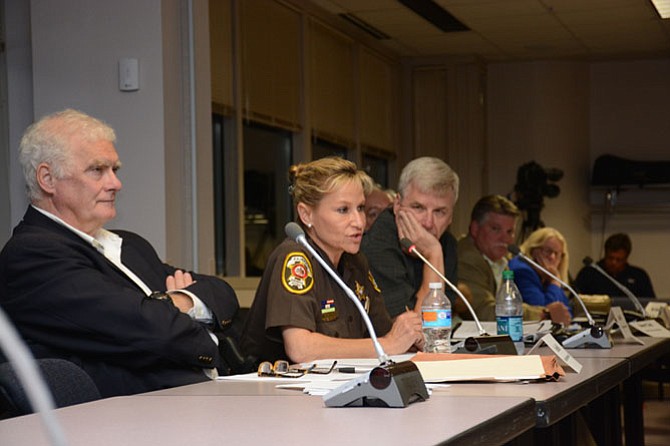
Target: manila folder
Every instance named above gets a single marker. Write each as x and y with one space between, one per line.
480 368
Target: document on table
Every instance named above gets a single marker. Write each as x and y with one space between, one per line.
435 368
651 328
320 384
353 366
444 367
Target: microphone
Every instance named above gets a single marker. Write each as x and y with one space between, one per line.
411 248
295 232
489 345
590 336
588 261
389 384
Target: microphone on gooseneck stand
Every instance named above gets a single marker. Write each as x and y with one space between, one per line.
485 343
593 336
390 384
411 248
588 261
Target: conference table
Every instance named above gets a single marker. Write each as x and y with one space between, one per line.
556 402
233 412
637 358
553 401
225 412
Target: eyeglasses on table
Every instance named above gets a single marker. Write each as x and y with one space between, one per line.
282 369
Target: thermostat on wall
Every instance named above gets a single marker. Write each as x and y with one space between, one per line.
129 75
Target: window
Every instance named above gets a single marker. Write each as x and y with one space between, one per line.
377 168
267 204
218 159
322 149
262 55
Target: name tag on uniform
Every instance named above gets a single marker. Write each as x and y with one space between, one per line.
328 310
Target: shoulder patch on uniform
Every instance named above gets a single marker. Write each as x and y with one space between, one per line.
297 276
373 282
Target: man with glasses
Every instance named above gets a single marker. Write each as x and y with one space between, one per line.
421 212
482 257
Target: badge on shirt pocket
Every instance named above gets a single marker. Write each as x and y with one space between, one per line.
328 310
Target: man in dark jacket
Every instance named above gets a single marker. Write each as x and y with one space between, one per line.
422 212
102 299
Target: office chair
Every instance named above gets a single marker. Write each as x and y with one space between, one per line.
69 385
234 361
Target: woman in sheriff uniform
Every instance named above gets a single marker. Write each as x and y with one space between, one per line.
299 312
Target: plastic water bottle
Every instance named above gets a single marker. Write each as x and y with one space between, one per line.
436 317
509 310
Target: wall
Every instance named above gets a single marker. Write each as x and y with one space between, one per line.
630 111
449 123
19 102
539 112
5 228
76 48
561 114
565 114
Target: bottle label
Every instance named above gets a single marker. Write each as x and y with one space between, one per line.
511 325
436 318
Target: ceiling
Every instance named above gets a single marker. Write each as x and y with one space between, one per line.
507 30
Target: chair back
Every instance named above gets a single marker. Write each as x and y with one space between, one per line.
69 384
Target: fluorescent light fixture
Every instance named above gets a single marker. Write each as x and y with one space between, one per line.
662 7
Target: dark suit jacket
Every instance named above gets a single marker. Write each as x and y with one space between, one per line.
67 300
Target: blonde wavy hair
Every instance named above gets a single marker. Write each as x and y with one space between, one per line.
310 182
537 240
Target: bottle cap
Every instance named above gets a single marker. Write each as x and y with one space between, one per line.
508 274
435 285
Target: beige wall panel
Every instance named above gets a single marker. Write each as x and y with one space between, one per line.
539 111
332 91
449 124
466 147
430 113
271 61
377 101
221 52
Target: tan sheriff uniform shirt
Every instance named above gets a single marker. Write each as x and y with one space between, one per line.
297 291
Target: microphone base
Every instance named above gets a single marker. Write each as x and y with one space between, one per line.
593 337
388 385
488 345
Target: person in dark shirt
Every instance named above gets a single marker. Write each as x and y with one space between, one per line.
617 250
422 212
